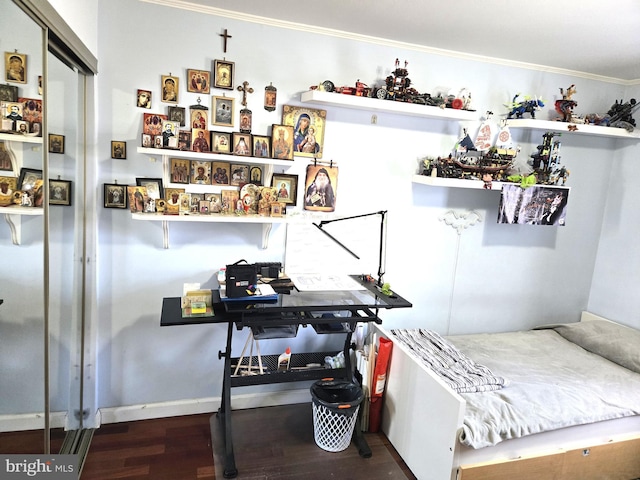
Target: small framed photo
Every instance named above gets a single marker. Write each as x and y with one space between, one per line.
204 207
196 198
119 149
8 93
286 187
143 99
220 173
282 142
185 202
147 140
215 202
200 172
60 192
221 142
261 146
56 143
223 72
28 177
277 209
22 127
222 108
177 114
7 186
239 174
200 140
15 67
242 144
12 111
172 196
153 186
170 88
198 81
245 120
157 141
184 140
179 170
115 196
255 175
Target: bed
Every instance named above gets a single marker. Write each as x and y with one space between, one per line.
576 385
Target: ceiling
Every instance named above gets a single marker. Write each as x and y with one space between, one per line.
594 37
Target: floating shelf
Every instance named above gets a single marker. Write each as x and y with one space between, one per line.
463 183
390 106
581 129
9 137
212 156
266 222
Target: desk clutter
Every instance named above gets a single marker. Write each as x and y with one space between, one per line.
252 281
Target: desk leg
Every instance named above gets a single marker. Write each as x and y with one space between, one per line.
358 437
224 413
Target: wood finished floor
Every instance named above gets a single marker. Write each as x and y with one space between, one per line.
274 443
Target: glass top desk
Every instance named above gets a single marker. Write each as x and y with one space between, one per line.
334 312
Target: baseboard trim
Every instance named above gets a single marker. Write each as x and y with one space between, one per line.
31 421
200 405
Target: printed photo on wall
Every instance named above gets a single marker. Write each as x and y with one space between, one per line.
308 129
321 187
537 205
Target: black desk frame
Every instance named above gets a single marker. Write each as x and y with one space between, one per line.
282 313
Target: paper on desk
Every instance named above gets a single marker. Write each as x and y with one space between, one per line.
317 282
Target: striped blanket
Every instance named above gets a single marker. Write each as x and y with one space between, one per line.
459 372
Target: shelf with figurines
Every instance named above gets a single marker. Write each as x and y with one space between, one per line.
617 122
475 164
395 96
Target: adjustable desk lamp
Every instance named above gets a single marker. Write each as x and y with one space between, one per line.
383 239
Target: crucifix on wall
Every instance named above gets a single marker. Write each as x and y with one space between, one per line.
225 36
245 113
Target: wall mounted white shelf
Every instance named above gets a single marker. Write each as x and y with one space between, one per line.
580 129
463 183
267 222
10 137
220 157
389 106
12 216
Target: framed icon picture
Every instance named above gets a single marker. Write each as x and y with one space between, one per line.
60 192
261 146
286 188
308 129
170 87
154 187
255 175
177 114
198 81
15 67
223 72
8 93
200 140
221 142
220 173
200 172
223 109
119 149
144 99
239 174
242 144
115 195
56 143
179 170
321 188
28 178
282 142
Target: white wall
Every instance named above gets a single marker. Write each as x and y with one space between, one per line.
82 17
506 276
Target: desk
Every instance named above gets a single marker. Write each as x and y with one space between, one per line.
294 309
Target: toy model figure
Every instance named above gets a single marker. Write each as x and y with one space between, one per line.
528 105
546 162
565 106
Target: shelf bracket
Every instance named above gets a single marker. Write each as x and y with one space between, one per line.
266 231
165 234
15 228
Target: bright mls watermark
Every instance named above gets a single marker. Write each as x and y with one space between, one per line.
51 467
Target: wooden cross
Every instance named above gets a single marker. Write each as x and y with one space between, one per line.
226 36
245 89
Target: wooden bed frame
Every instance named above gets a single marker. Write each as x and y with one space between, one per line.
421 416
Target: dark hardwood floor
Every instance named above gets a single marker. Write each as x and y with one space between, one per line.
269 443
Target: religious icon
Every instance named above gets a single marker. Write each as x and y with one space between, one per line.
223 74
308 124
270 93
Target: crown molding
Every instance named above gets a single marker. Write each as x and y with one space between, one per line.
272 22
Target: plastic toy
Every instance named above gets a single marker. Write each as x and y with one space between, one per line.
566 105
528 105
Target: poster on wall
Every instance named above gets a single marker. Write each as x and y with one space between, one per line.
536 205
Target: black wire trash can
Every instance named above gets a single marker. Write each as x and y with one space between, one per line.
335 410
